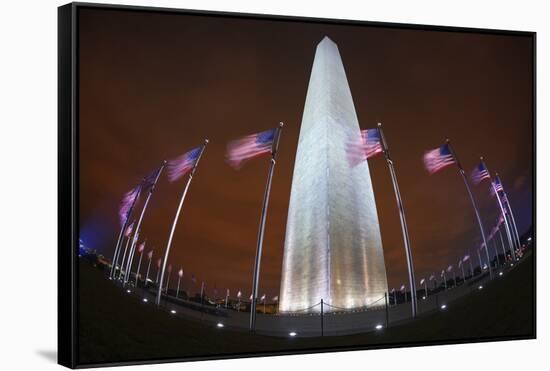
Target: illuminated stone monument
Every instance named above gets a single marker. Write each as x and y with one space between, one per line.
333 249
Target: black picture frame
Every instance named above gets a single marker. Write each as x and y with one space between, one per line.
68 180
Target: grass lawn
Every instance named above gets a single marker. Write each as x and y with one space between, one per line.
114 327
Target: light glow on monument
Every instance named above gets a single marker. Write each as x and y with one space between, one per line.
333 248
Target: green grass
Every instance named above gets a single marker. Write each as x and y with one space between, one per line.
114 327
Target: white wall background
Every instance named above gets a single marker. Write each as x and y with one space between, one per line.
28 180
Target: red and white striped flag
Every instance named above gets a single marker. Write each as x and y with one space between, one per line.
367 145
241 150
129 230
128 201
183 164
438 158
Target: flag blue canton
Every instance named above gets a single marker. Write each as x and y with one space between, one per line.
438 158
480 173
266 137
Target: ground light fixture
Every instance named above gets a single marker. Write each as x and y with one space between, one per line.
173 311
219 325
480 287
444 306
500 273
292 334
145 300
128 291
379 327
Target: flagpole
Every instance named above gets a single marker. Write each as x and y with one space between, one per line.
138 267
123 258
178 289
178 211
117 248
117 258
502 244
461 171
512 218
507 228
138 227
121 234
259 244
148 268
501 207
511 226
158 272
404 228
496 252
480 262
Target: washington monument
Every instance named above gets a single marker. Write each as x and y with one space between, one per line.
333 249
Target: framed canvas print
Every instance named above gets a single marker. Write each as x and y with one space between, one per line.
236 185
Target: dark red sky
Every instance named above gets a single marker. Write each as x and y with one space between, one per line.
154 85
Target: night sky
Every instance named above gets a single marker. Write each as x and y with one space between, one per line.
154 85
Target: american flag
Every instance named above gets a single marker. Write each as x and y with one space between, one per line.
239 294
432 277
181 165
443 273
366 146
150 255
450 268
438 158
263 297
128 201
422 281
498 187
241 150
180 272
480 173
141 247
460 263
150 180
466 257
402 288
498 184
129 230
